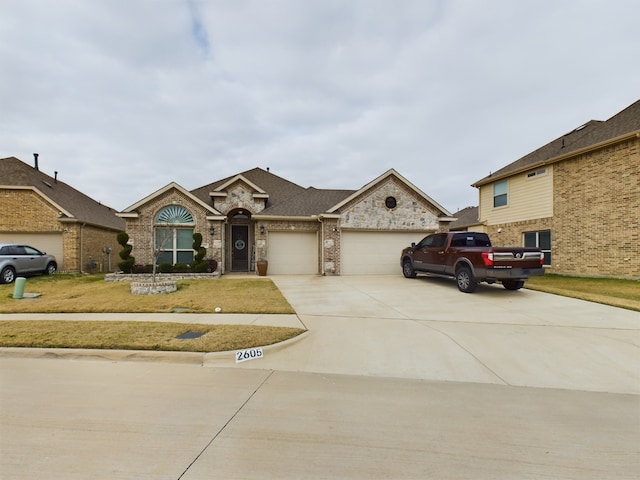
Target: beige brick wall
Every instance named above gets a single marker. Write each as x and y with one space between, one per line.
597 212
25 211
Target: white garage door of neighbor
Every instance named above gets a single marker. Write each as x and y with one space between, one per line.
293 253
45 242
374 253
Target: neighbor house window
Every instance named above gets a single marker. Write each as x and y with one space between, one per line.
500 194
173 232
541 240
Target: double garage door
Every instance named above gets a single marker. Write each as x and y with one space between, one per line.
363 253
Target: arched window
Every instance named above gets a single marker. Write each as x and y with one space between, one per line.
173 232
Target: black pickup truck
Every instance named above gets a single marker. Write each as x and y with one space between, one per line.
470 258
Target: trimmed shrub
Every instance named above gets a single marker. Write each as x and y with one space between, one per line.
128 261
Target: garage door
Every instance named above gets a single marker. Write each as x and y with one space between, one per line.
293 253
374 253
46 242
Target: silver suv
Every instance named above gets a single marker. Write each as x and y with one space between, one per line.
16 259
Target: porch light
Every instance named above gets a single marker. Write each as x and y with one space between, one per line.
212 230
261 229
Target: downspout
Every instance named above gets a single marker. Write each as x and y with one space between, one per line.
320 219
82 246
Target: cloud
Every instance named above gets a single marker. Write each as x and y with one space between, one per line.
124 97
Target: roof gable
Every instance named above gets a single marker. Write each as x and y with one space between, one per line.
389 173
73 204
276 190
132 209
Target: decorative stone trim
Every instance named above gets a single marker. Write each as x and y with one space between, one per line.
160 277
150 288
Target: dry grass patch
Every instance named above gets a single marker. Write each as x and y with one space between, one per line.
91 294
609 291
139 335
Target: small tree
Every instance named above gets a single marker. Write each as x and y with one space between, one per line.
126 265
163 236
199 264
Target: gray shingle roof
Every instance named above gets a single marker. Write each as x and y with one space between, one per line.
590 134
311 201
16 173
277 187
466 217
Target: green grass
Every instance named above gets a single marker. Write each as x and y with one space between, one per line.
609 291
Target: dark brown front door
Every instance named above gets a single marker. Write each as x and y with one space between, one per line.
239 248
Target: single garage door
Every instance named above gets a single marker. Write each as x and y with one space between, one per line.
50 243
294 253
374 253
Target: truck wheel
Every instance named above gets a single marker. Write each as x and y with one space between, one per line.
513 284
8 275
407 269
465 280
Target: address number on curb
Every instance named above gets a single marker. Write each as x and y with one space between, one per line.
248 354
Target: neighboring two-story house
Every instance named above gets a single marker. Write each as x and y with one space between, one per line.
577 198
46 213
256 214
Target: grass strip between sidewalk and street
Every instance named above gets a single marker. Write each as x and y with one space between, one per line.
159 336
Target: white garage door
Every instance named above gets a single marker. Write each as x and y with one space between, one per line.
374 253
293 253
46 242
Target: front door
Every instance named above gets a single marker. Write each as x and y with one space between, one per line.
240 248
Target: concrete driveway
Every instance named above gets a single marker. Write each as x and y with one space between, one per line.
535 386
426 329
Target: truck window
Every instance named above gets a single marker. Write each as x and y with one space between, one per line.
469 239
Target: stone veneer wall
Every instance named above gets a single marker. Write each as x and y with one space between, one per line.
410 214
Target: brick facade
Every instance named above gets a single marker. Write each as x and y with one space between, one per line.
365 212
141 228
595 227
24 211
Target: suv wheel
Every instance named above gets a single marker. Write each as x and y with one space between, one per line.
465 280
51 268
8 275
407 269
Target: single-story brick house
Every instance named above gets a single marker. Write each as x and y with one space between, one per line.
255 214
46 213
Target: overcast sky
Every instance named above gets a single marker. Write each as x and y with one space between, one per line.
122 97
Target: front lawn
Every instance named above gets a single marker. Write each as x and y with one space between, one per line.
609 291
91 294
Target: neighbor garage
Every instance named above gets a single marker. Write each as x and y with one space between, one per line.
294 253
50 243
374 253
